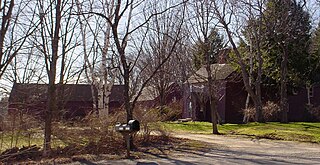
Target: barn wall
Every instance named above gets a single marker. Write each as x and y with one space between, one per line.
235 102
298 104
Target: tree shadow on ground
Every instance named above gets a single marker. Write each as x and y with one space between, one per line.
228 156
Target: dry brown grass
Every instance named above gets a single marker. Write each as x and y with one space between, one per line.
87 138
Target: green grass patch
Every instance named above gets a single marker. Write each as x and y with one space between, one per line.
192 127
297 131
9 140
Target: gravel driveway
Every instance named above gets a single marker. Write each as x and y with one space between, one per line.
228 150
236 150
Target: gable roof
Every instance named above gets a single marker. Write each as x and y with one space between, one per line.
148 94
72 92
219 72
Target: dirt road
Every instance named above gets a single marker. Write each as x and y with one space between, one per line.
237 150
234 150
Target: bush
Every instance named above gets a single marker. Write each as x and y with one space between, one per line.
147 118
172 112
249 114
271 112
314 111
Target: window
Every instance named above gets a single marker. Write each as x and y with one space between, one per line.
174 99
310 91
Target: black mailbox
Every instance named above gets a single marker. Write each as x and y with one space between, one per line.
132 126
122 127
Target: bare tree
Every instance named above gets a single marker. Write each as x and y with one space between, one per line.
157 47
123 28
16 26
231 20
254 22
56 42
26 68
121 39
67 69
88 66
51 58
101 77
202 25
106 77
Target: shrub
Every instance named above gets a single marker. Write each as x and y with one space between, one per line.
147 118
271 112
314 111
249 114
172 112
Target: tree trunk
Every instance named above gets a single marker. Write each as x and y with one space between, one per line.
59 114
127 105
258 104
214 115
93 94
51 100
104 85
107 93
283 86
212 95
259 115
93 84
245 75
250 73
51 107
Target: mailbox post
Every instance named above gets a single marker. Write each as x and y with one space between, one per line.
127 130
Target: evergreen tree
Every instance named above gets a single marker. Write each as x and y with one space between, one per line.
287 36
287 29
200 48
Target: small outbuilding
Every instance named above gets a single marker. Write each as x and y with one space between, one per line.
229 93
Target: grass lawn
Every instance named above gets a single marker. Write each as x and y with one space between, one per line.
298 131
9 140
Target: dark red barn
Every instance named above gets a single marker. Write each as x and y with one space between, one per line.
74 100
304 102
